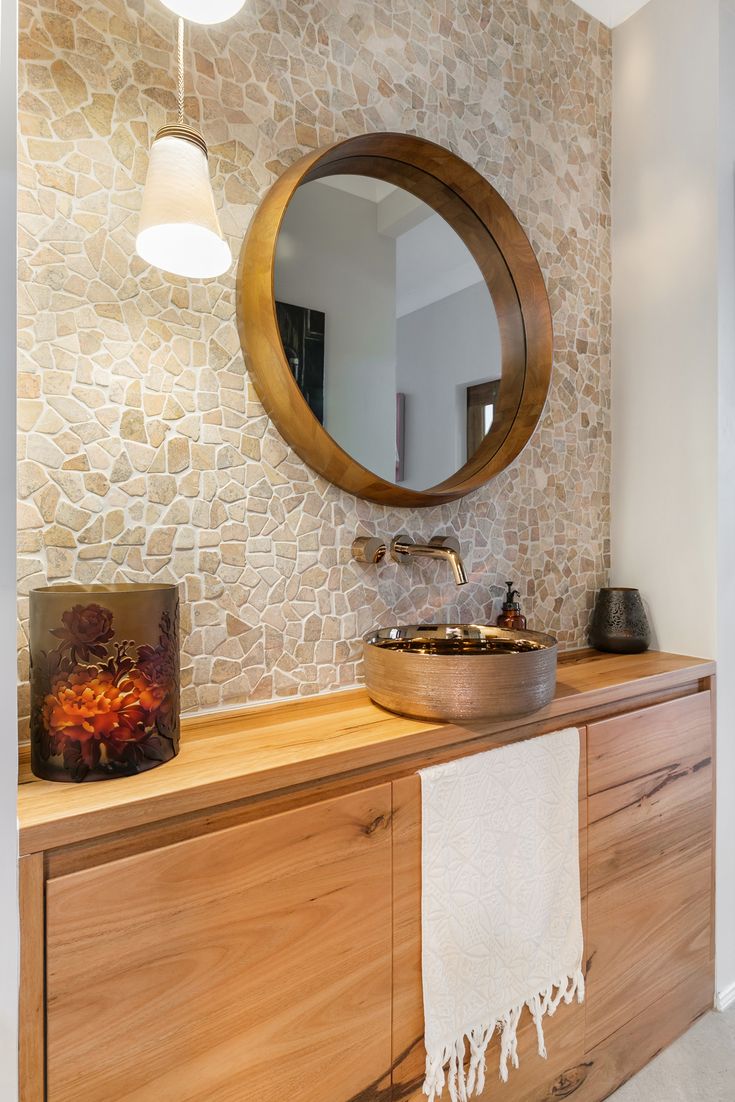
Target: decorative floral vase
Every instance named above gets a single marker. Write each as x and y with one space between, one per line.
619 622
104 680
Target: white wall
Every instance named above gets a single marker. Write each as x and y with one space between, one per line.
664 317
726 510
443 349
8 751
673 534
330 257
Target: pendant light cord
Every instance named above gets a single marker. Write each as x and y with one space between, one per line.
180 80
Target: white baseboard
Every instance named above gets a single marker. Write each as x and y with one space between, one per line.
725 998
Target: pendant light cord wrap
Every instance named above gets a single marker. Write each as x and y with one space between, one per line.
180 78
179 129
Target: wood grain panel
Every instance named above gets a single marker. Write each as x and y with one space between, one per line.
31 1068
647 933
564 1032
664 813
269 750
250 963
610 1064
644 742
650 855
408 1008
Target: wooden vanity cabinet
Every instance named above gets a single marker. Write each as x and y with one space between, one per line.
268 945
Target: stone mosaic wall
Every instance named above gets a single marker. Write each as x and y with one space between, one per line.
143 450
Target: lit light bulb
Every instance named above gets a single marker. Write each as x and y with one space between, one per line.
205 11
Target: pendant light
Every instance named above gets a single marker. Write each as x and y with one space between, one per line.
178 229
205 11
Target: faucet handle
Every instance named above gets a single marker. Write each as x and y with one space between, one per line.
400 546
368 549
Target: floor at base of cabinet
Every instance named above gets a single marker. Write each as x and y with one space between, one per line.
699 1067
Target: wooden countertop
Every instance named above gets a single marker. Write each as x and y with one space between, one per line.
252 752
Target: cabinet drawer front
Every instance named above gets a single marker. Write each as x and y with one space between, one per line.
650 849
249 963
641 743
646 934
660 805
662 814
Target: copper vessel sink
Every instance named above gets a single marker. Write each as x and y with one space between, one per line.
460 671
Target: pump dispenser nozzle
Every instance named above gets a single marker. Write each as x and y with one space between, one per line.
511 617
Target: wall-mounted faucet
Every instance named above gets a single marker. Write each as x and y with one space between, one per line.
370 549
439 547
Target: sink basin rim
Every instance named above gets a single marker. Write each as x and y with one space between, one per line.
378 637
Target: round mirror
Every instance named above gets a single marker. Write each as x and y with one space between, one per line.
394 320
388 327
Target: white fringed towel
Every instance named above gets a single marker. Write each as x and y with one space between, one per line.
501 909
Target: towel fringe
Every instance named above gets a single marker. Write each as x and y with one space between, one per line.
449 1066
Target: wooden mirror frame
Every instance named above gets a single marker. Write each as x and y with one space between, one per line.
491 232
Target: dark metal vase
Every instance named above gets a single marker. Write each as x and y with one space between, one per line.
104 680
619 622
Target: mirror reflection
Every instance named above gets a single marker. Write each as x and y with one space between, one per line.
388 328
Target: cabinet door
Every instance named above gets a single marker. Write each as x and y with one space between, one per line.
650 860
536 1080
252 963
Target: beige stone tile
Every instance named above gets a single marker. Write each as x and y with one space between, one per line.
161 429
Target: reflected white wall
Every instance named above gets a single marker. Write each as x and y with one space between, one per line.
330 257
443 349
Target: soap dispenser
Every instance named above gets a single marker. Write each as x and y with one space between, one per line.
511 616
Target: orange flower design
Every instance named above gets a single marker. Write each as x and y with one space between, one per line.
88 707
118 716
151 695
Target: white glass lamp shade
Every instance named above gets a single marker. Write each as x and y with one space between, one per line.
205 11
178 229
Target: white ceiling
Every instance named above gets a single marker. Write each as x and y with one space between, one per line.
365 187
432 262
611 12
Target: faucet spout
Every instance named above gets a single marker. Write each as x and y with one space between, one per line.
450 549
440 547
